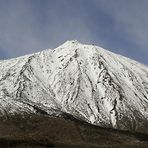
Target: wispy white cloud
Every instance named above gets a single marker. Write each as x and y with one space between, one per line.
131 16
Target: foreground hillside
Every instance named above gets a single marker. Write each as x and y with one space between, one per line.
36 131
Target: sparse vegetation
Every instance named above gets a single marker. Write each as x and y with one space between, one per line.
36 131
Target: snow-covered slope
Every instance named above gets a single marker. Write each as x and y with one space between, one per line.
85 81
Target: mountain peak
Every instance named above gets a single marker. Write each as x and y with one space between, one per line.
72 42
69 44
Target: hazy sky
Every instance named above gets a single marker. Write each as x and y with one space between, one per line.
28 26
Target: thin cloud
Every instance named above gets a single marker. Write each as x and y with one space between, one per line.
131 16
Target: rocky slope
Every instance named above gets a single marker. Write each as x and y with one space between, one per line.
85 81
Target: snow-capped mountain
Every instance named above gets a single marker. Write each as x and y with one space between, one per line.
85 81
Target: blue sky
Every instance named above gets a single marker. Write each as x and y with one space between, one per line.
27 26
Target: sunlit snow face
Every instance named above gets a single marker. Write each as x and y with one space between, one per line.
85 81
